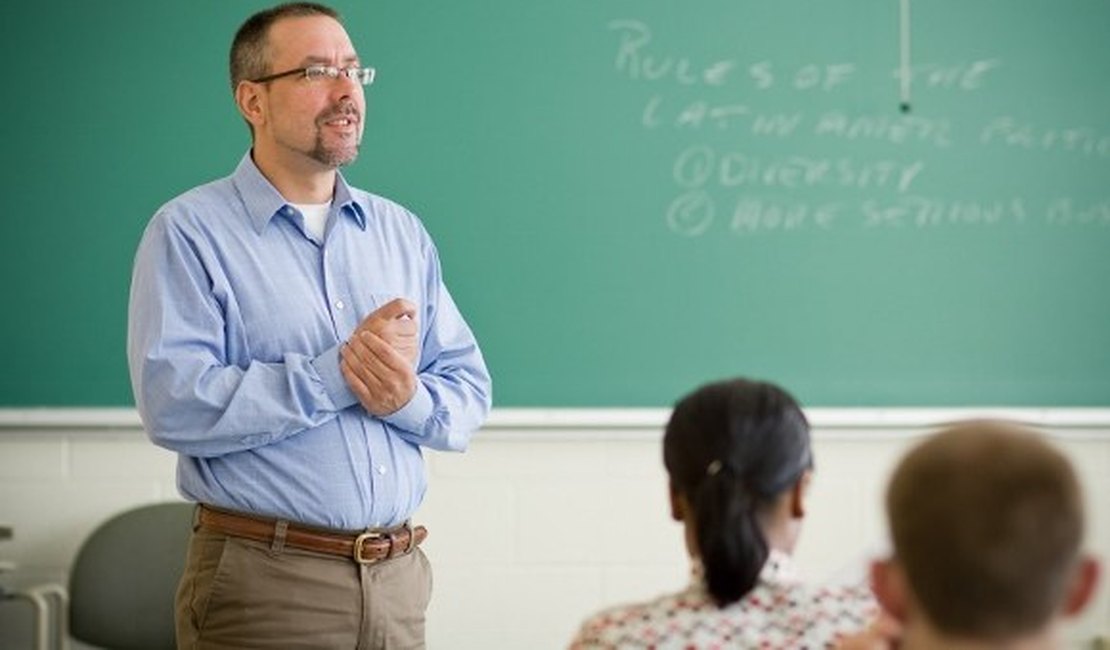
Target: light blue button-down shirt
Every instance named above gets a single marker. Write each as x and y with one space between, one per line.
236 318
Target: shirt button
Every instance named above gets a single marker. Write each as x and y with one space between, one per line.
339 304
381 469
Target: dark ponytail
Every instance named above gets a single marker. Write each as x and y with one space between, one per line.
730 542
731 448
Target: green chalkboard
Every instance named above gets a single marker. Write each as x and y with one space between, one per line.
629 196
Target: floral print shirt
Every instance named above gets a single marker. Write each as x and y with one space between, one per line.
780 613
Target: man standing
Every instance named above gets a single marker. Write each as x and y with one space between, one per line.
291 338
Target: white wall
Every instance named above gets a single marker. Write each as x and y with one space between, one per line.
548 516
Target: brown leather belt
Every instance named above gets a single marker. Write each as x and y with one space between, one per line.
364 548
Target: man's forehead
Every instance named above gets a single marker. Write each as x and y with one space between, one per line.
309 38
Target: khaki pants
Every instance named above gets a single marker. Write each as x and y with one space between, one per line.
237 594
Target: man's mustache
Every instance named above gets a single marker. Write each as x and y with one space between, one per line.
343 109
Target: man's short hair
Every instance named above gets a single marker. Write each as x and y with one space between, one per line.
249 58
987 521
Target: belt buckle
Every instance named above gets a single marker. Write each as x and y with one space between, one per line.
357 555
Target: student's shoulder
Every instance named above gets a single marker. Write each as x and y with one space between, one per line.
849 605
613 627
642 624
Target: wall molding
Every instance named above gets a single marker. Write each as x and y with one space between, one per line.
532 424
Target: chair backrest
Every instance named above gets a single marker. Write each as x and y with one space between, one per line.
123 581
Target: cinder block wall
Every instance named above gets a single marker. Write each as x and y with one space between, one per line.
545 519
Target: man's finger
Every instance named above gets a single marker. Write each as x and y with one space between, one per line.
363 353
394 309
384 352
355 382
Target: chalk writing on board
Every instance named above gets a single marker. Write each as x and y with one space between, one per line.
695 212
960 76
702 164
1063 212
747 154
637 58
924 212
895 129
633 61
1010 131
699 211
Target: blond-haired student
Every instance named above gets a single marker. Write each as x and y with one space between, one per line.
987 525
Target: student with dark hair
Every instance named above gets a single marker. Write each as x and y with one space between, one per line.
739 460
986 521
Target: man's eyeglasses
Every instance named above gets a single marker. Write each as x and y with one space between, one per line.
364 76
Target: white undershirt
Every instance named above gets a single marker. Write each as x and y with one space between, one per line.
315 217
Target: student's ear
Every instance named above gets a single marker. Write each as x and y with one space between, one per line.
799 495
888 583
678 504
249 101
1083 585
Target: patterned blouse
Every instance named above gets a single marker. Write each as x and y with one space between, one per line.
780 613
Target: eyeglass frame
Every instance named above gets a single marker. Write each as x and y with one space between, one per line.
333 72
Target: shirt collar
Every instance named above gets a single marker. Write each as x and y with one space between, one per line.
778 569
263 201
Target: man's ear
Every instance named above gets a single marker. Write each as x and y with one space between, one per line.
251 103
799 495
888 583
1082 586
